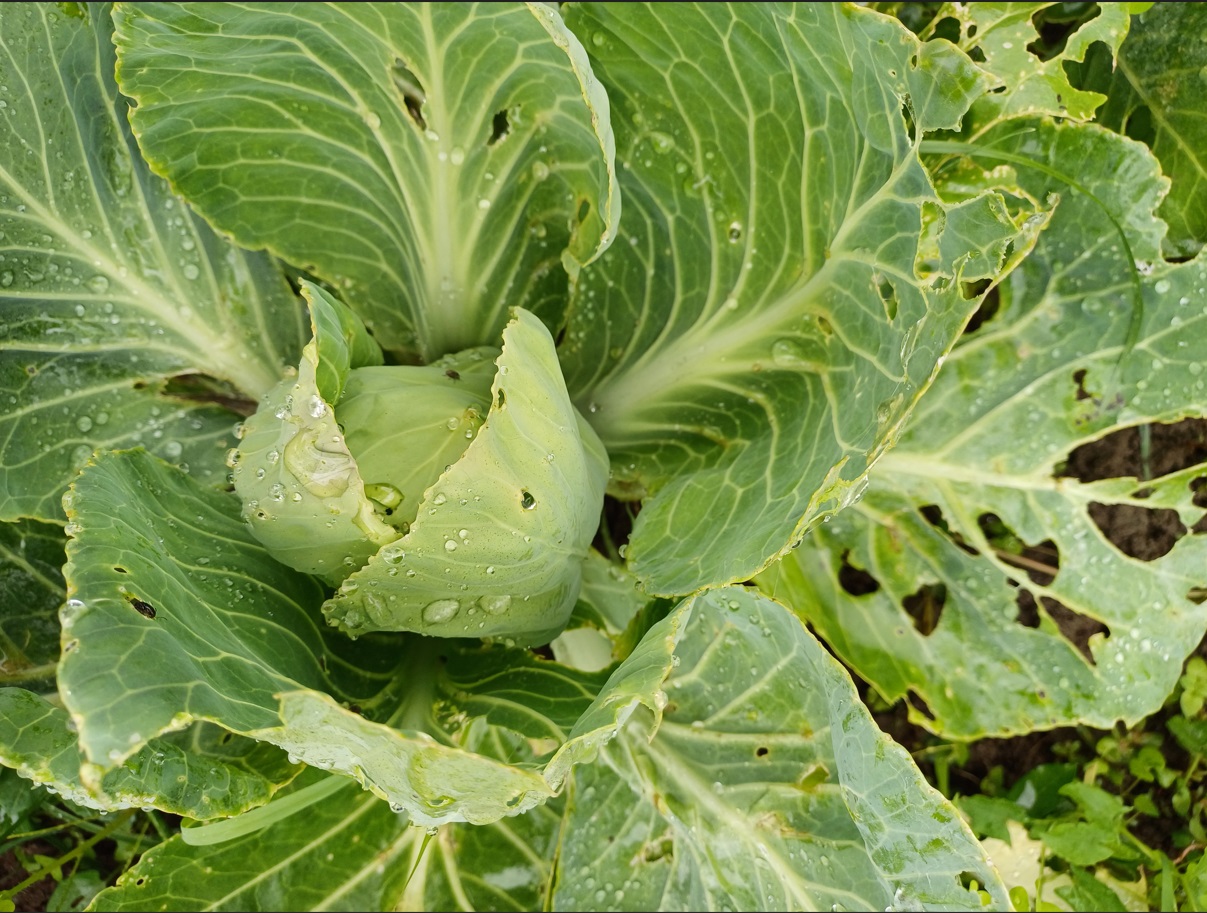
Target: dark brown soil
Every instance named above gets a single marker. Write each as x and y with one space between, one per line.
12 873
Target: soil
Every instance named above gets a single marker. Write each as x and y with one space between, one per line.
12 873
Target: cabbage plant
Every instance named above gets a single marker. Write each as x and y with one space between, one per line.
447 449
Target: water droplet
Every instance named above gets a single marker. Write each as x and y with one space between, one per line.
540 171
787 353
372 121
190 271
527 501
450 545
495 605
99 284
440 611
662 142
1161 286
457 156
71 611
439 498
484 203
84 423
599 38
491 569
315 406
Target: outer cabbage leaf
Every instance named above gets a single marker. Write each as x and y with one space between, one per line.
351 852
176 614
767 318
1154 95
1030 81
498 545
126 320
348 852
435 162
502 866
1087 634
437 784
203 772
174 619
31 592
767 786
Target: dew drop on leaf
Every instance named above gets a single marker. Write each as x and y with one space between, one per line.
440 611
787 353
495 605
662 142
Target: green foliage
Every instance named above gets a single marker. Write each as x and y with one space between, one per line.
444 449
1118 825
58 856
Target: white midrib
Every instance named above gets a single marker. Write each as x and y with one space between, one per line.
704 351
217 355
443 250
699 352
930 466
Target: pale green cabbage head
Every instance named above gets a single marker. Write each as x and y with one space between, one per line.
456 499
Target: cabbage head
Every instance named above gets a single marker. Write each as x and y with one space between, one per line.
455 499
